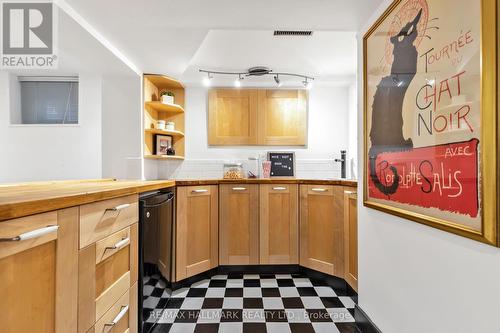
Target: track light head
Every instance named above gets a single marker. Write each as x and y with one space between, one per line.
307 84
237 82
207 80
277 80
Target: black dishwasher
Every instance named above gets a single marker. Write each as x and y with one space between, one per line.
155 256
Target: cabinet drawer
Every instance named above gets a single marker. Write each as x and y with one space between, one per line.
100 219
122 316
107 269
27 232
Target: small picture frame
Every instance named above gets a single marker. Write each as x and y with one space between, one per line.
162 144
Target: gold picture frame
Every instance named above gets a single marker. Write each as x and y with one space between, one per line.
487 228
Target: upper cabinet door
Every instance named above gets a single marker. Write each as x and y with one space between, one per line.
232 117
282 117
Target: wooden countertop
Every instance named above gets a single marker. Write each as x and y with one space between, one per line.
194 182
17 200
23 199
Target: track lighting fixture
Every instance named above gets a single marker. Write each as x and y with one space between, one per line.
237 82
257 71
277 79
207 80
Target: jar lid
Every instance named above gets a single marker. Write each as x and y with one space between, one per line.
228 165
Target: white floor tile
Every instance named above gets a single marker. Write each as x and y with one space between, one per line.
232 303
325 292
230 327
182 328
201 284
192 303
271 303
215 292
289 292
252 292
347 301
278 328
268 283
325 328
312 302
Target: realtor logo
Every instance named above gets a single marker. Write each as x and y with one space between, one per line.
28 35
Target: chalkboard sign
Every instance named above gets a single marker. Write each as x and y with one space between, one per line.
282 164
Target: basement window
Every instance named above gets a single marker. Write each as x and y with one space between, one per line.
46 100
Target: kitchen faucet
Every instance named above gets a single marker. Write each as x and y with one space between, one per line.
342 161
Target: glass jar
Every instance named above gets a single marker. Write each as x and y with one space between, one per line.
233 171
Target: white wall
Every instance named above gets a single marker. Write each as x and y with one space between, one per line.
327 128
121 127
414 278
37 152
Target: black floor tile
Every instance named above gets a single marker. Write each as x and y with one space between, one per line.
174 303
252 303
206 328
251 283
197 292
292 303
331 302
301 328
285 283
161 328
254 328
217 284
212 303
270 292
307 291
235 276
234 292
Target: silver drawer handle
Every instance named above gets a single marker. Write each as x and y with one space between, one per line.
119 316
199 191
279 188
119 207
119 245
31 234
350 192
319 190
239 188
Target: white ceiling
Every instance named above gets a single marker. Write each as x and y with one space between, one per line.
176 37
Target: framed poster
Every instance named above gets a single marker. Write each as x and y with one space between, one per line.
430 115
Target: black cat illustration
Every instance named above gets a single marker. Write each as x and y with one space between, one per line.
386 133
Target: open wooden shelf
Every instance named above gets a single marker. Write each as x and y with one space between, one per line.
164 157
155 110
177 134
162 107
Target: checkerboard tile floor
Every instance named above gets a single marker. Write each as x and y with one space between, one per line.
253 303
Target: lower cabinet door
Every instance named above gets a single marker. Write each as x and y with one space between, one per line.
238 224
321 228
351 237
38 273
196 230
279 242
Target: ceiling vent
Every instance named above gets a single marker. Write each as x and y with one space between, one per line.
293 32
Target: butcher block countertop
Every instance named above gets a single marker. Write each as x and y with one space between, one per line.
23 199
195 182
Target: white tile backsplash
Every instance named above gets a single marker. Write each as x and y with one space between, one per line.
211 169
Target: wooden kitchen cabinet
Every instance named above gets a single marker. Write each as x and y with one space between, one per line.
282 117
351 238
38 276
257 117
232 116
196 230
279 243
238 224
322 228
